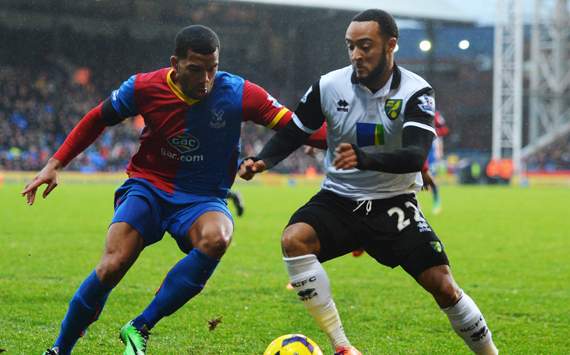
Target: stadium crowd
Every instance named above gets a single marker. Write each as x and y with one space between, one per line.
43 97
39 108
554 157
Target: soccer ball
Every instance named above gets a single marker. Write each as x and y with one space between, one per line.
293 344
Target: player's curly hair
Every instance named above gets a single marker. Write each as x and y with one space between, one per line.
388 26
198 38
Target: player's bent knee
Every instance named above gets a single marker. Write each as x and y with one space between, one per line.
439 282
446 294
291 244
111 269
299 239
211 234
214 244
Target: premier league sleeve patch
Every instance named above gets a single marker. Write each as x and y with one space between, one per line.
427 104
393 107
421 107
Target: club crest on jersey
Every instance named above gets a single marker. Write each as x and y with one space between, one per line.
437 246
393 107
217 119
184 143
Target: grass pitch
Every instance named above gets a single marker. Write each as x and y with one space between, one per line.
509 249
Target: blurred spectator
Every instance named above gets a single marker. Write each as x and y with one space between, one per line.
555 156
38 109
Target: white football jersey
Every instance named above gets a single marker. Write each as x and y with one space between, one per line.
371 121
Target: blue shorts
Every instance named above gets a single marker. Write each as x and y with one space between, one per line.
152 212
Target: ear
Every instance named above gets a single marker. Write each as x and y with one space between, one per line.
174 63
392 42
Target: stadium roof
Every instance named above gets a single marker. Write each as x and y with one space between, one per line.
442 10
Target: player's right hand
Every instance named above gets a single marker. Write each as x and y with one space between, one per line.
48 176
345 157
428 180
249 167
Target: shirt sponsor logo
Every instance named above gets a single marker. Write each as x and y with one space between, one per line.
186 158
393 107
184 143
217 120
342 105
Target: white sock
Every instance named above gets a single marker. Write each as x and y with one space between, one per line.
311 283
468 322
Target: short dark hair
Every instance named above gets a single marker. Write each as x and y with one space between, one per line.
198 38
388 26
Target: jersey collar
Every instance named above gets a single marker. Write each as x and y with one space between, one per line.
396 78
176 90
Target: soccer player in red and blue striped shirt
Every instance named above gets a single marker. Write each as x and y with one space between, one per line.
178 179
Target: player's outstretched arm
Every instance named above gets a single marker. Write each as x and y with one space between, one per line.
317 140
81 137
282 144
48 176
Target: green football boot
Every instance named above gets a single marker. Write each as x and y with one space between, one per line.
134 339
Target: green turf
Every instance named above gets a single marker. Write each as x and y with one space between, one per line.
509 249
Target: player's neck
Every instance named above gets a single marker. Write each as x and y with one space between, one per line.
382 78
174 79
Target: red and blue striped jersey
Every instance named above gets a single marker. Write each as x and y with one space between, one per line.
192 146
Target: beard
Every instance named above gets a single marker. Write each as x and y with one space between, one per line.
375 73
193 92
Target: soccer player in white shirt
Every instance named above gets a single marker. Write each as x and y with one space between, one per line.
379 130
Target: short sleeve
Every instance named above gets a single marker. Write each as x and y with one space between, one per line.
262 108
309 114
123 99
420 110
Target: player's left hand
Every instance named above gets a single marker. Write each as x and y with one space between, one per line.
47 176
345 157
249 167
